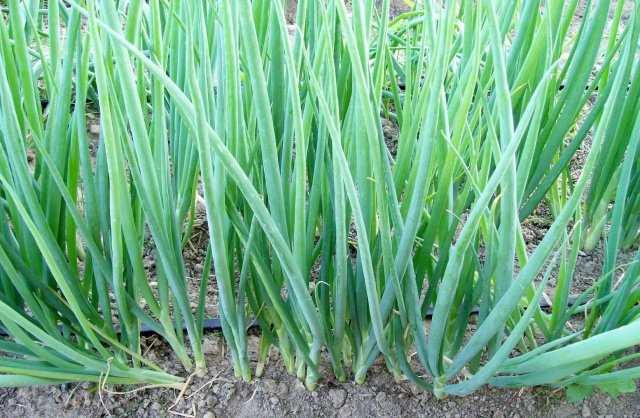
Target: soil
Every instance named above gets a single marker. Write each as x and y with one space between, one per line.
277 393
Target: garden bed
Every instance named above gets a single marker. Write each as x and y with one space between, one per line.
278 393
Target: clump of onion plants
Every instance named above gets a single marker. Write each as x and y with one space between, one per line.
342 244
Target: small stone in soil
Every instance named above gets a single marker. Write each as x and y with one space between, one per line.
269 385
337 396
283 389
